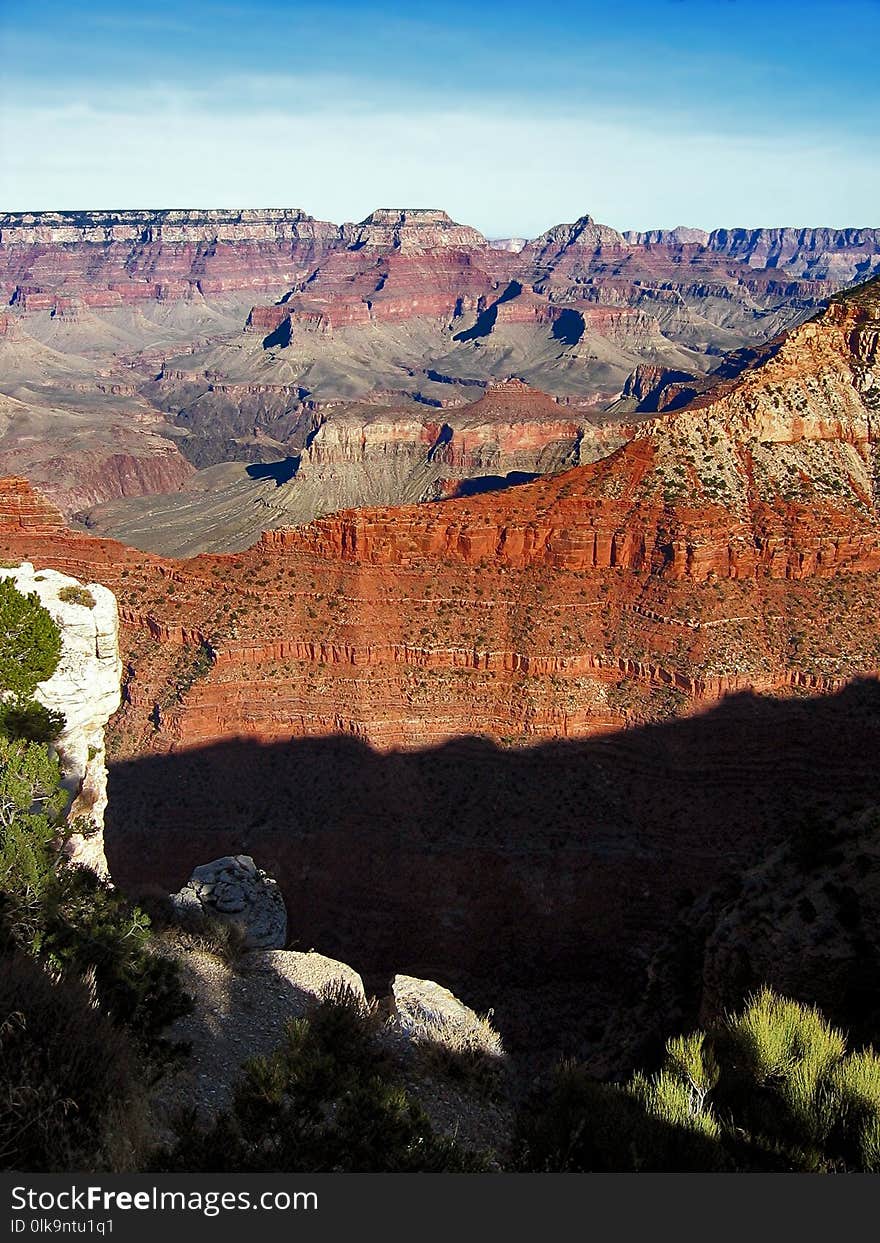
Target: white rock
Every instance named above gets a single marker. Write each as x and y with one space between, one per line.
428 1013
309 973
235 890
86 689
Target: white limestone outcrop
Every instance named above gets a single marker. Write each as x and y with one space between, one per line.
86 689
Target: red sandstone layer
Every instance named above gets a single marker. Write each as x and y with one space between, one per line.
714 553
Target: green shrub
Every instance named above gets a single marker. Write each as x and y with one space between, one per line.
30 642
30 648
92 926
325 1100
29 720
869 1145
855 1083
31 801
70 1081
768 1089
575 1124
779 1056
81 987
71 919
671 1099
692 1060
75 594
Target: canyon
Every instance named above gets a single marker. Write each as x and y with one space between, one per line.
149 360
517 732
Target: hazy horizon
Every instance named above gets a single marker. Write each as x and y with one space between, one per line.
490 236
730 113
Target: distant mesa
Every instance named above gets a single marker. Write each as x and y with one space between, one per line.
167 343
681 235
411 229
513 397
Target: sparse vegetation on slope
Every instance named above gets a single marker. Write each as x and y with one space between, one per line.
77 595
72 1093
328 1099
83 998
771 1088
69 919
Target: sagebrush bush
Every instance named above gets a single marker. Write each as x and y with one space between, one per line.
692 1060
869 1145
71 1094
472 1053
768 1088
778 1056
671 1099
774 1035
575 1124
74 594
855 1085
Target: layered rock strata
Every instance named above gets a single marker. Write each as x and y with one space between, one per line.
106 259
688 562
367 456
123 364
509 730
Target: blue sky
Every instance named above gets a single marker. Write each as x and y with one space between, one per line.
512 116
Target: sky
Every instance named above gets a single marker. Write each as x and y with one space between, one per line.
511 116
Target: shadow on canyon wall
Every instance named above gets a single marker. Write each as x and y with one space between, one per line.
485 321
282 472
479 484
538 881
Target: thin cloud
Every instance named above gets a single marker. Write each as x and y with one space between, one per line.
504 173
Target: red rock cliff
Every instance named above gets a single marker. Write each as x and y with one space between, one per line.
735 543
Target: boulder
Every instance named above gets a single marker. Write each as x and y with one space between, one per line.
428 1013
233 889
311 974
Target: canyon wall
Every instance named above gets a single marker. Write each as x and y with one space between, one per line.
138 347
106 259
361 455
696 559
509 730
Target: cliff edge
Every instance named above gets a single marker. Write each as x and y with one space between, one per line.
85 688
